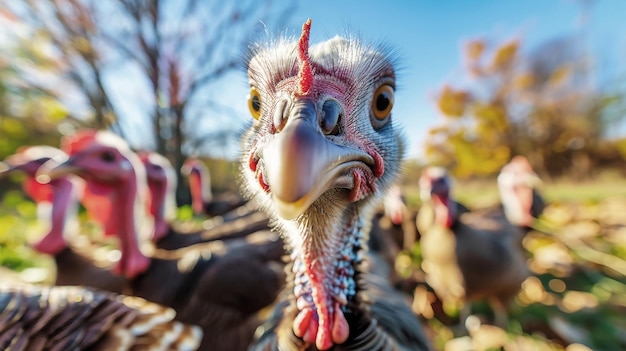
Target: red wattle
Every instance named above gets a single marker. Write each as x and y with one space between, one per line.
525 196
301 322
99 204
341 330
443 215
311 332
37 191
195 186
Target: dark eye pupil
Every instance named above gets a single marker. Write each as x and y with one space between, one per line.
382 102
108 156
256 103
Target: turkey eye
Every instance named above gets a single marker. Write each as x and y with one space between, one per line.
382 102
331 114
254 103
108 156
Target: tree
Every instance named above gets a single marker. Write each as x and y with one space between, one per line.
28 113
170 51
541 105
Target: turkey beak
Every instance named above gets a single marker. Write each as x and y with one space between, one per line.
14 163
6 169
11 164
301 163
54 170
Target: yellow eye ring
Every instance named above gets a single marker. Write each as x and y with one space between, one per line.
254 103
382 103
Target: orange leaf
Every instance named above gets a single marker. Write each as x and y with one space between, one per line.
452 103
474 49
505 55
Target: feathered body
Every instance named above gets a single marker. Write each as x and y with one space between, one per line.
318 157
39 318
467 255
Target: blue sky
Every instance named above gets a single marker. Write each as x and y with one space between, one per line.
428 35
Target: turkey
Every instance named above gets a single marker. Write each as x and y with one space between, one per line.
161 180
58 203
319 155
219 285
467 255
39 318
203 201
27 161
396 220
517 184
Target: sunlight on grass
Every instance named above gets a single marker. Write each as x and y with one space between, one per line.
574 301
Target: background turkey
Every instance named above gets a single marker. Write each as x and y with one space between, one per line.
468 256
57 203
219 285
518 186
236 222
203 201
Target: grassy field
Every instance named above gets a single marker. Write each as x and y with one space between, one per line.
575 299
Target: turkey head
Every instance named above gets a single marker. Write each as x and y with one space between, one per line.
318 157
111 169
517 185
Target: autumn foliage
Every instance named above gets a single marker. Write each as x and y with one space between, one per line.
541 105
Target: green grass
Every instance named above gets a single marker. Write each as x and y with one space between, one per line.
600 327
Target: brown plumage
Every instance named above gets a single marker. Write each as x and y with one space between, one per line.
39 318
469 255
318 156
59 201
219 285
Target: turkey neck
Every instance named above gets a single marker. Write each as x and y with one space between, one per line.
325 257
132 261
158 195
200 190
62 206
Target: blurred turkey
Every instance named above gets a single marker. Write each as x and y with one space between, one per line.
219 285
57 203
467 255
161 180
39 318
27 160
203 201
320 153
517 184
393 229
395 220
